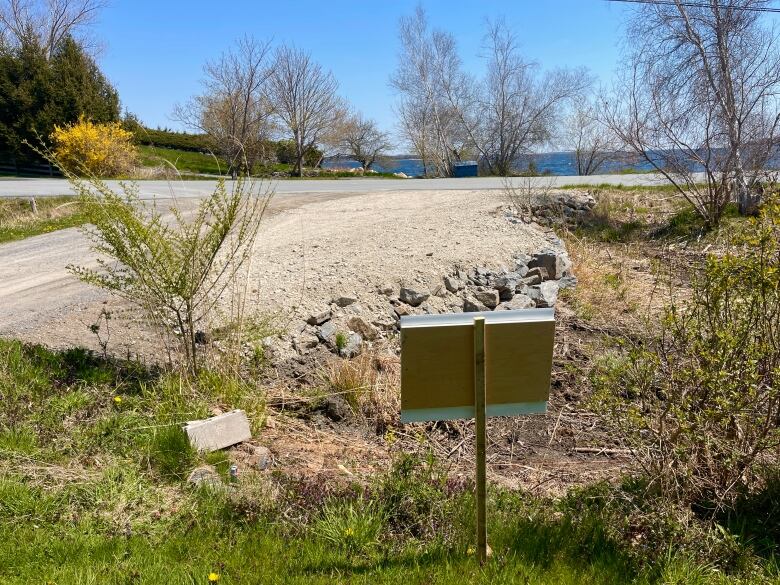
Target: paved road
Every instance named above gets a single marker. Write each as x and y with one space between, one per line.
161 189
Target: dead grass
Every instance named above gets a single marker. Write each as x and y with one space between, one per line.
19 219
370 383
638 248
617 285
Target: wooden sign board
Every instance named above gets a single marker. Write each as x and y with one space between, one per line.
437 364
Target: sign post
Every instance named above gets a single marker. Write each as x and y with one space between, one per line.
479 419
476 365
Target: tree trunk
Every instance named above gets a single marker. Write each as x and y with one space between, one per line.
298 170
746 201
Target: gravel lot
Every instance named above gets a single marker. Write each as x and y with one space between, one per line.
311 249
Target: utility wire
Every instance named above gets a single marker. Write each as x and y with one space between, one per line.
700 5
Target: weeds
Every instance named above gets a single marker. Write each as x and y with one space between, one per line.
699 405
352 528
370 383
170 453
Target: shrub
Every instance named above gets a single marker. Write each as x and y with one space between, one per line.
170 139
177 271
286 153
700 405
88 149
37 92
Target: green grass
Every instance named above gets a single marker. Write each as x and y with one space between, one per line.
260 554
183 160
17 221
92 490
206 164
666 188
532 543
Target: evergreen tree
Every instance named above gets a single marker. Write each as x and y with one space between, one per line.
36 94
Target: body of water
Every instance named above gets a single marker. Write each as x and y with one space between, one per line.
548 163
552 163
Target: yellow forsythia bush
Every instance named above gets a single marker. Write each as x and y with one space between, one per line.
86 148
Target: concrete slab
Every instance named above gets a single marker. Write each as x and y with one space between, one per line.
218 432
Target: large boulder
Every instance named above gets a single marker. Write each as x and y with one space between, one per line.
548 294
327 333
567 282
336 408
412 297
344 300
352 346
472 305
305 341
259 456
489 298
531 279
519 301
363 328
567 206
453 283
555 263
506 285
319 318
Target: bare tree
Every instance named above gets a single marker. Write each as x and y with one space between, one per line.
499 118
699 92
414 123
517 108
233 109
360 139
304 98
45 23
432 87
591 141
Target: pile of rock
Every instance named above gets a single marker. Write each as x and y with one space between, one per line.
534 281
558 207
342 328
346 326
350 323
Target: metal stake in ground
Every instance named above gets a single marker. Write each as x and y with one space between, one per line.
479 404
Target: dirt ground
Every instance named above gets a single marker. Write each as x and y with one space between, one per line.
313 248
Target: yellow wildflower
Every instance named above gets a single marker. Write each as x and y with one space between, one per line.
118 399
213 577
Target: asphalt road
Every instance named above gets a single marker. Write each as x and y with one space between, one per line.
184 189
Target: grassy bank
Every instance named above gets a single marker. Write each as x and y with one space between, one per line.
19 221
544 553
183 160
206 164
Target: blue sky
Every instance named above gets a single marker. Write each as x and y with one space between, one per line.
154 51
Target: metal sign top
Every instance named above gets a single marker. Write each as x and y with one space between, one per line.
437 364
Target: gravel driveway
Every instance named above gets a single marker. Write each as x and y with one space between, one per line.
310 249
